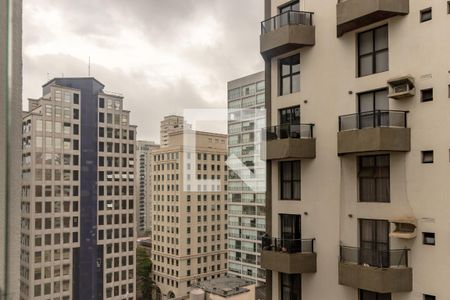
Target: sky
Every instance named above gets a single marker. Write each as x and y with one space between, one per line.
164 56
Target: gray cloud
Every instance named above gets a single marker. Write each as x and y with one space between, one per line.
162 21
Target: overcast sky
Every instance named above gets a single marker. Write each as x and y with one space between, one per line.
163 55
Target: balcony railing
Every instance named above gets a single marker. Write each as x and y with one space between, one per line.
374 258
287 18
301 131
288 245
373 119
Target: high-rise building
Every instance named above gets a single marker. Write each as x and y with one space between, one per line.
170 124
189 219
143 209
358 99
246 209
78 204
10 151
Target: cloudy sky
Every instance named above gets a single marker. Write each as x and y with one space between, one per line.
163 55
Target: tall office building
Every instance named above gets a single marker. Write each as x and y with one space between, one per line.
358 96
10 138
189 211
170 124
143 209
78 204
246 209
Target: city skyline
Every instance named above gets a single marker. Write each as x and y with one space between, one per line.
180 61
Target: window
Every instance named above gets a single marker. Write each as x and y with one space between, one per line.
427 157
289 173
374 178
448 11
290 74
290 115
101 102
429 297
426 95
367 295
292 5
429 238
290 286
373 109
374 243
425 15
373 51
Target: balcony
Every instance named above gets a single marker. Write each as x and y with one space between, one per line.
376 271
374 132
286 32
288 256
288 142
354 14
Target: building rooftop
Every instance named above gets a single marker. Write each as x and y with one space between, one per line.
225 286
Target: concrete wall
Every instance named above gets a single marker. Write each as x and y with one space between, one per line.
10 145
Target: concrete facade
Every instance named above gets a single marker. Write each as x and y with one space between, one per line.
189 213
330 209
10 145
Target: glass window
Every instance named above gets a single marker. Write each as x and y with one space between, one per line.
289 174
373 108
426 95
67 97
429 238
289 71
293 5
290 115
290 286
367 295
234 93
374 178
374 242
260 86
373 51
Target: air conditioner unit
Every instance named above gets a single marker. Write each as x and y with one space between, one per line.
401 87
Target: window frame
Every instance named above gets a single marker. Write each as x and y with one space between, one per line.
282 168
291 74
375 169
290 4
425 12
294 286
374 52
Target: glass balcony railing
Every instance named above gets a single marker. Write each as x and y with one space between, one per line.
374 258
287 18
373 119
288 245
300 131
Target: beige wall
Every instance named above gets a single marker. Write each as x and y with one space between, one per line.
329 188
168 215
10 145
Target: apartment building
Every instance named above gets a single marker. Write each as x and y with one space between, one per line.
189 219
78 194
143 210
246 209
358 152
10 138
170 124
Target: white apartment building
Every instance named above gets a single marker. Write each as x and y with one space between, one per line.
78 194
357 96
189 219
143 210
246 209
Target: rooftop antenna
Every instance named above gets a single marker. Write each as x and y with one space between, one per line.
48 76
89 67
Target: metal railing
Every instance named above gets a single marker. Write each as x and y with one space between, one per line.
301 131
374 258
287 18
373 119
287 245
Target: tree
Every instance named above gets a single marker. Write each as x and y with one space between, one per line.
143 274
